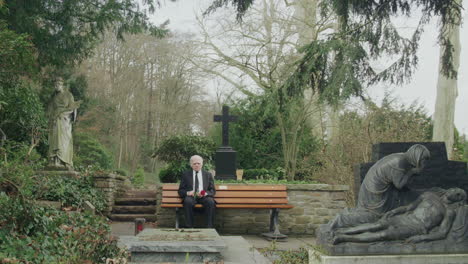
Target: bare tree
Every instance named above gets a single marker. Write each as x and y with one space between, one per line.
257 57
152 88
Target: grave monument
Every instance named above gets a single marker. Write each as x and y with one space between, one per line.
174 246
225 158
411 205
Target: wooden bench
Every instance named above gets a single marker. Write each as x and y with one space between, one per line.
233 196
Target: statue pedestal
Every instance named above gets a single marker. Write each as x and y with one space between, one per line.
316 257
58 173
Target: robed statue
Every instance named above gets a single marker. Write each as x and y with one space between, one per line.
62 112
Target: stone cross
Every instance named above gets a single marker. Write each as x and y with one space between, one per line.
225 118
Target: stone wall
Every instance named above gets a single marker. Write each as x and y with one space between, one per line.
111 185
314 204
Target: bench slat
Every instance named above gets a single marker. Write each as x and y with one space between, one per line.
238 194
235 200
220 187
238 206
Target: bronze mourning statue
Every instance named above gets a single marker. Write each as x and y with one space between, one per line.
428 218
433 221
380 189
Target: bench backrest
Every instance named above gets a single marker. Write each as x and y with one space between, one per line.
236 196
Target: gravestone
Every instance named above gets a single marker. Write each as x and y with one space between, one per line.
225 158
175 246
435 222
439 171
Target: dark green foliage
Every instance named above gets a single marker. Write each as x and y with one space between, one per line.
182 147
71 192
78 86
65 32
34 234
16 54
18 177
17 169
366 32
256 135
90 152
22 115
176 152
173 171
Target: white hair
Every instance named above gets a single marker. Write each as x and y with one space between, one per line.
196 157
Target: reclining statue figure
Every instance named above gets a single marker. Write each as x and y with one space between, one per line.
428 218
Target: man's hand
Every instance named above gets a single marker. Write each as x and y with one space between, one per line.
191 193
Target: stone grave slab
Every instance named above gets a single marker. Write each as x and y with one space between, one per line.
174 245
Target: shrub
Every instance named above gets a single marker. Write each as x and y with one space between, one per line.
34 234
70 191
138 178
17 168
22 115
90 152
173 171
263 174
182 147
177 150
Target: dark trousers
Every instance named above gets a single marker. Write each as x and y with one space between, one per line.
208 204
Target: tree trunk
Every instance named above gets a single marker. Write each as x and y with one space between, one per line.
447 92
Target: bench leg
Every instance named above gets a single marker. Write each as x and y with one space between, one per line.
274 227
177 217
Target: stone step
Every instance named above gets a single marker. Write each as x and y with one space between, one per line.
135 201
134 209
131 217
139 194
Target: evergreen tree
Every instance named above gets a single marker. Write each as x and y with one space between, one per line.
65 32
366 33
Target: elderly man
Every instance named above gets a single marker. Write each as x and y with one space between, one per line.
197 186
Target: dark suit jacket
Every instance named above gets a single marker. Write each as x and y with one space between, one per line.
186 183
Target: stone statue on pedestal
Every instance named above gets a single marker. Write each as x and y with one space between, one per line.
428 218
385 221
62 112
379 192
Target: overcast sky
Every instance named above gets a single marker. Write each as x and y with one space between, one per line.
422 87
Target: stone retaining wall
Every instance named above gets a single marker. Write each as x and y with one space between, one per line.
314 204
111 185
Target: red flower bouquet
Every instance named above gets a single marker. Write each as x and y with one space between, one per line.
200 194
